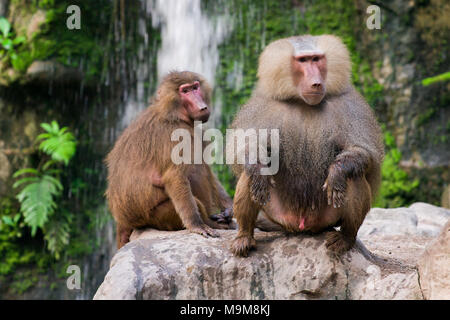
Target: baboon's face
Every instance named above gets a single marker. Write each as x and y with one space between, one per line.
309 75
193 101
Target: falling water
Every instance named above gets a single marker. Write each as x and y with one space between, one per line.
190 38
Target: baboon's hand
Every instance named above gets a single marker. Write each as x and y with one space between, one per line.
335 186
226 216
203 230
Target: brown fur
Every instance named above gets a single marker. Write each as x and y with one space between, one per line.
145 188
330 153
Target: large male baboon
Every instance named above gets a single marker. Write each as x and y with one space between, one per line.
330 147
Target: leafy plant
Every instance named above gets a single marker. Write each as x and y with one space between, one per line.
8 41
58 143
41 187
396 186
439 78
37 197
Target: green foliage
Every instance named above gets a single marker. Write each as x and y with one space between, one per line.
10 221
58 143
439 78
8 41
57 234
41 187
37 197
396 186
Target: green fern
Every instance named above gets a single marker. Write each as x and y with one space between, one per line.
57 236
37 198
41 187
57 143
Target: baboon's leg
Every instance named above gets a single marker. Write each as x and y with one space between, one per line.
246 213
357 204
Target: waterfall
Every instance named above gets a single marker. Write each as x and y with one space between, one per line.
190 38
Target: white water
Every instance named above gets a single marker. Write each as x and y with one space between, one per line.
190 38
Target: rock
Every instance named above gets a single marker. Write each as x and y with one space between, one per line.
434 267
180 265
403 233
420 219
48 71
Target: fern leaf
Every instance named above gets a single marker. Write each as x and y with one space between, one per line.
46 127
26 170
57 236
37 202
25 180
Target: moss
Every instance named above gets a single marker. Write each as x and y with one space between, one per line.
425 117
22 281
73 48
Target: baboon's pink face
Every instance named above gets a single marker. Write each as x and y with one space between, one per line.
309 75
193 101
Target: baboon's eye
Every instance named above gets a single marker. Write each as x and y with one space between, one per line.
315 59
302 59
185 90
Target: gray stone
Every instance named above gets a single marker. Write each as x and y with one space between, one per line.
180 265
434 267
420 219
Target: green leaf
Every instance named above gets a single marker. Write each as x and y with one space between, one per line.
18 40
46 127
5 26
57 143
439 78
43 136
48 164
26 170
7 220
37 201
25 180
57 236
7 44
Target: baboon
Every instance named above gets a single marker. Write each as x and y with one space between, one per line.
145 188
330 147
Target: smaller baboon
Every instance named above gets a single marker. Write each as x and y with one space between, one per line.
330 147
145 188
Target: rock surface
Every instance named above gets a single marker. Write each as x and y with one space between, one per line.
434 267
180 265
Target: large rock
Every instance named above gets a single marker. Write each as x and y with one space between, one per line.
434 267
180 265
